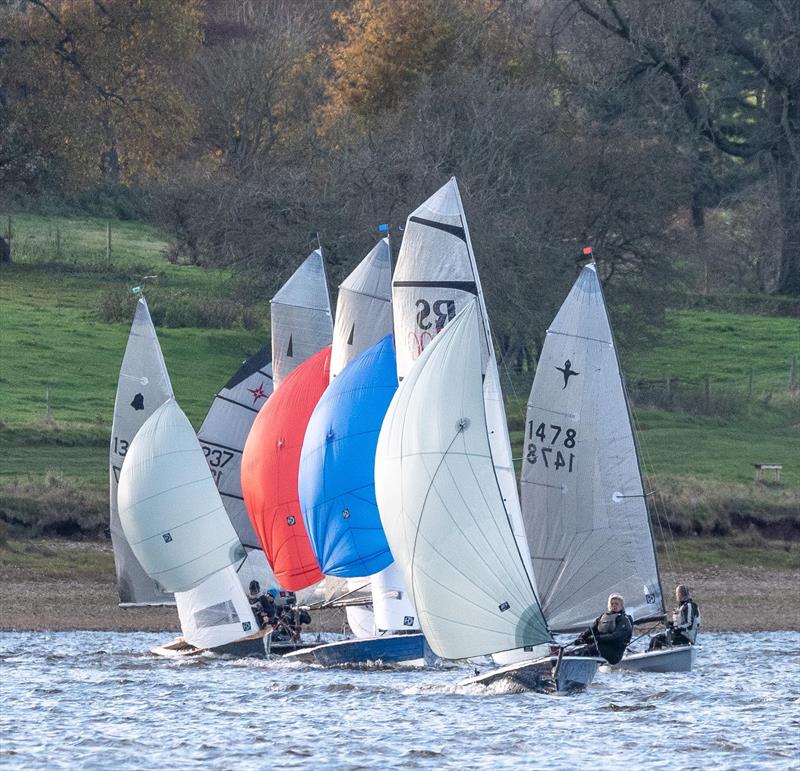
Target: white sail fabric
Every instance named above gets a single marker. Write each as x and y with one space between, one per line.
301 317
435 277
143 387
363 307
443 511
391 602
222 437
216 612
582 496
169 507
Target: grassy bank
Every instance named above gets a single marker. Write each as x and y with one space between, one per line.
66 311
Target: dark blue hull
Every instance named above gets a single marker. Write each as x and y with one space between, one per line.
389 649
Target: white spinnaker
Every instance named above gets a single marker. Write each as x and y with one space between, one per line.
216 612
143 387
222 437
582 494
169 507
301 317
435 277
442 509
363 317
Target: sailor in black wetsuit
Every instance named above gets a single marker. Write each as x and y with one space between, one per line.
682 630
610 634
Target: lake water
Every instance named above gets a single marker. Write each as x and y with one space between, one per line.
99 700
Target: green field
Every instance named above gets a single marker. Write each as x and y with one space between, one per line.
59 362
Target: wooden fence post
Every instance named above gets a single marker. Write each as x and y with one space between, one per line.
793 379
8 237
58 240
108 242
707 394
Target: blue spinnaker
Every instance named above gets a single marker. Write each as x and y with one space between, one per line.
336 482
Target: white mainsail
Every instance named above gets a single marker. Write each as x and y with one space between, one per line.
363 307
435 277
582 496
301 317
442 508
169 507
143 387
222 437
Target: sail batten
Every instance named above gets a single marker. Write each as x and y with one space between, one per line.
582 495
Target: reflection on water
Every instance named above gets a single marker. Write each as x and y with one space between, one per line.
99 700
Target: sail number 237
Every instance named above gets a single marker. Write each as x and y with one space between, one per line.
551 454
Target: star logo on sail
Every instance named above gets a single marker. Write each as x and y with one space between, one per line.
258 393
567 371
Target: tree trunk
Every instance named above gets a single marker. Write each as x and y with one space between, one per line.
786 155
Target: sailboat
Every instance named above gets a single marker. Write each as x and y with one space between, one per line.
583 499
143 387
446 520
336 479
177 526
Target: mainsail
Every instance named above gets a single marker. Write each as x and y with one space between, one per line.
435 277
222 437
442 508
143 387
582 496
301 317
269 472
169 507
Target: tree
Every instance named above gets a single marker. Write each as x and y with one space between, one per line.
89 85
734 69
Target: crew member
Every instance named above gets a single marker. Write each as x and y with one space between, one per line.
682 629
610 634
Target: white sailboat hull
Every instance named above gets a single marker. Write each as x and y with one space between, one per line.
676 659
546 675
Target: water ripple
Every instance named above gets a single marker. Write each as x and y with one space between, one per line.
99 700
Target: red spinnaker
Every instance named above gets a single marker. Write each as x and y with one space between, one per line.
270 462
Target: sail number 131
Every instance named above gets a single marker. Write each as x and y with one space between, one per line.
551 456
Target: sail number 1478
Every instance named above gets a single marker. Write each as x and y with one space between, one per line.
551 455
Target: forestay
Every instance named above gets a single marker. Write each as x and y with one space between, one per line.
301 317
222 437
216 612
169 507
436 276
143 387
582 494
442 509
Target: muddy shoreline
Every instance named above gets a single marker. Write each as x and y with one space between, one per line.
37 596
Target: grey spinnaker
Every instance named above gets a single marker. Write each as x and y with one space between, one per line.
583 500
143 387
